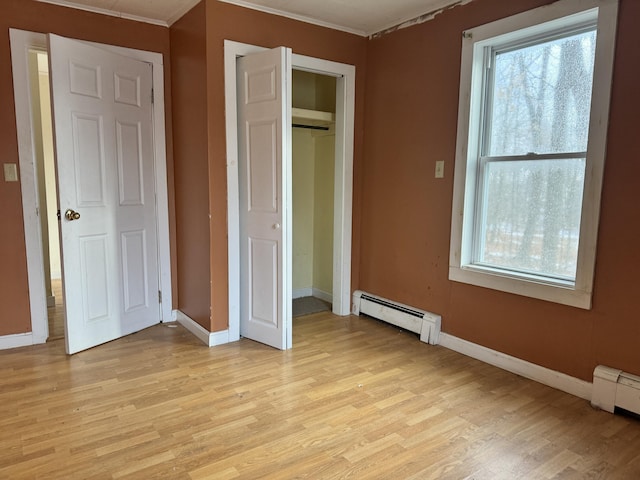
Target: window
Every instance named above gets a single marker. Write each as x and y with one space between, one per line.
532 124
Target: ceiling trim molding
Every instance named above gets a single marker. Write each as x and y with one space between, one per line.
178 14
189 4
104 11
415 20
294 16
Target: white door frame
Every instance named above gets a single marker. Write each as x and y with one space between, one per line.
343 196
21 42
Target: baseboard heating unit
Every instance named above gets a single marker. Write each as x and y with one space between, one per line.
614 388
426 324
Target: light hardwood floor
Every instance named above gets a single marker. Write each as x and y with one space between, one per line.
354 399
56 313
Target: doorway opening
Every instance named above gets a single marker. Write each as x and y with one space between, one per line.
344 76
47 190
24 49
313 170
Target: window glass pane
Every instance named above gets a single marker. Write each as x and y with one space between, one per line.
541 97
531 216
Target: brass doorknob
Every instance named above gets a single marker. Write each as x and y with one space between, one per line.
71 215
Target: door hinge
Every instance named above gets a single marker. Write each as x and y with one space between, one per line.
159 296
153 97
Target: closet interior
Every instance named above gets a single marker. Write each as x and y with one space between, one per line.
313 142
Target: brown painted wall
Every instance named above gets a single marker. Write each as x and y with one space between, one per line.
225 21
189 95
402 214
42 17
411 122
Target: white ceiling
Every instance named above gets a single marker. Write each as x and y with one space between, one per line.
161 12
362 17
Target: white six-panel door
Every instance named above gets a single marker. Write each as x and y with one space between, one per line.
264 130
102 111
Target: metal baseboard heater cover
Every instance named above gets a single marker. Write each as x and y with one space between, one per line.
614 388
424 323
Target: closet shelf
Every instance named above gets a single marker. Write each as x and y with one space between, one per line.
312 117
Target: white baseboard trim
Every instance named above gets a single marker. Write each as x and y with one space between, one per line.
16 340
210 339
529 370
312 292
322 295
302 292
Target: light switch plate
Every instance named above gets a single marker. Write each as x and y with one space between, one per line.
10 172
439 169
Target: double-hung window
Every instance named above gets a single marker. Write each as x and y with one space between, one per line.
534 100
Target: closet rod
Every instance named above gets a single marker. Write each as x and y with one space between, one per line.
310 127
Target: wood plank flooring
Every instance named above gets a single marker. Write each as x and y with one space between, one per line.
354 399
55 314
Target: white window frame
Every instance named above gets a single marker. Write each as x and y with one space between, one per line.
462 268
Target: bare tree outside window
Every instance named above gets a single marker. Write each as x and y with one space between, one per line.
533 156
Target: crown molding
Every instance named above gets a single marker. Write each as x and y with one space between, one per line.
294 16
104 11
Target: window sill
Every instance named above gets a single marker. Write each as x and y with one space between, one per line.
556 292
